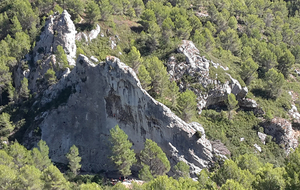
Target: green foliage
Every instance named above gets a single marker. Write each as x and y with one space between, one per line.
7 177
90 186
293 170
74 160
153 156
6 126
270 178
230 170
145 173
231 104
92 12
274 82
122 154
75 8
144 77
53 179
187 105
24 91
29 178
182 170
134 58
248 70
248 162
40 156
232 185
50 77
205 181
61 57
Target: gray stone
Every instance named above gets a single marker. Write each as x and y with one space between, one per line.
94 33
248 103
98 97
257 147
59 30
262 137
281 129
94 59
198 67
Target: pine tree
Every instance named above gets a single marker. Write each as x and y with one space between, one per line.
6 126
40 156
153 156
53 179
248 69
29 178
61 57
139 7
74 159
182 170
187 105
145 174
50 76
144 77
106 9
16 26
274 83
7 177
5 76
24 92
134 59
92 12
122 154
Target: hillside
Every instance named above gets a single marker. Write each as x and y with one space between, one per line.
192 89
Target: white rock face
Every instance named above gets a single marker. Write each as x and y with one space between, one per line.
89 36
93 99
59 30
198 67
257 147
262 137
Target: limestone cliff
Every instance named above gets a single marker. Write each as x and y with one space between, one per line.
98 97
60 30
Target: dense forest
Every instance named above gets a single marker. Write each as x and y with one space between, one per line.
258 40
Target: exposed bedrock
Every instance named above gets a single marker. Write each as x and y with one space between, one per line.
98 97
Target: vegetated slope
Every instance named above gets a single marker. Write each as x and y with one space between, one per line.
257 41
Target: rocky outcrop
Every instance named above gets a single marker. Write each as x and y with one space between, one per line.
58 30
88 36
262 137
209 90
293 112
91 99
283 133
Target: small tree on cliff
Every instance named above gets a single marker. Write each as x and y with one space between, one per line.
74 160
123 156
153 156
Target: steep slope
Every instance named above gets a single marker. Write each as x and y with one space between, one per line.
102 96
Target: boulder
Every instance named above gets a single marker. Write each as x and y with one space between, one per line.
283 133
262 137
89 36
